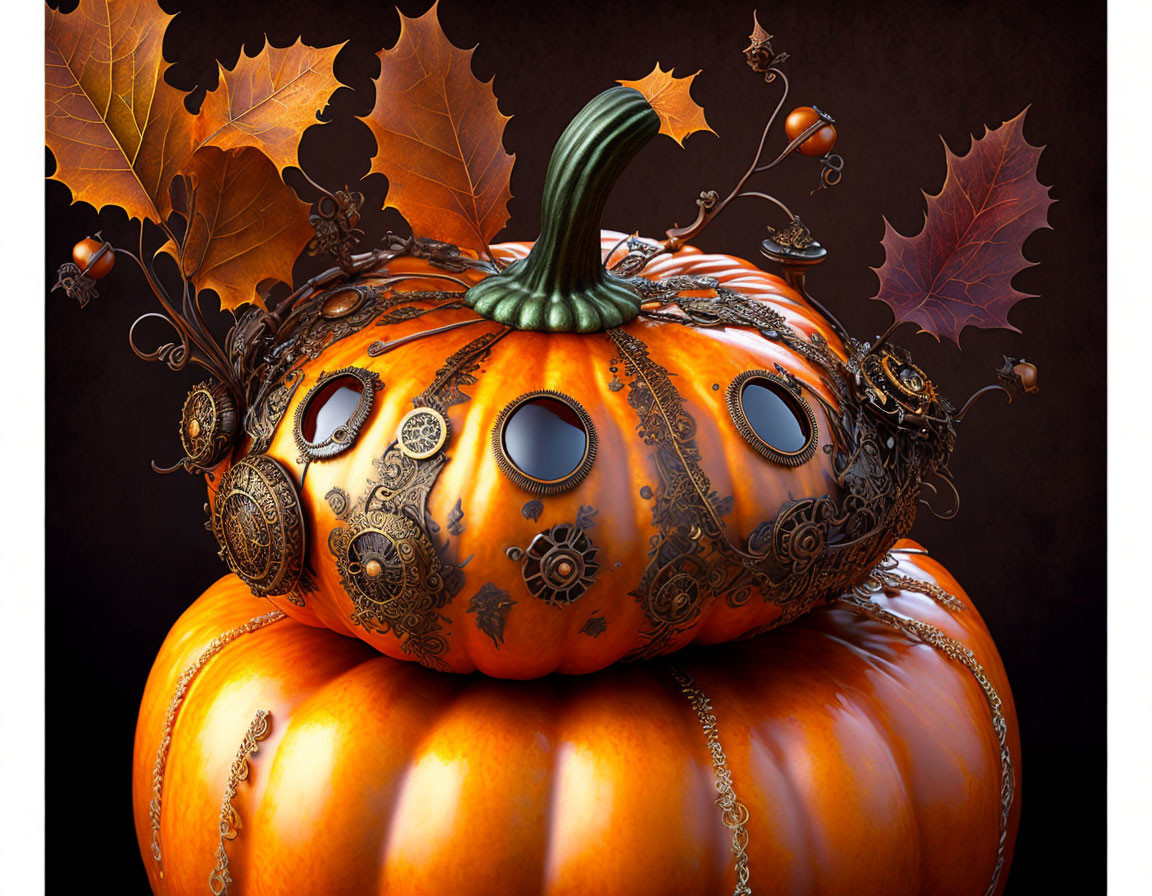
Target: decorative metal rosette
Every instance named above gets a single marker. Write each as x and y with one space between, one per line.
677 599
396 580
259 524
422 432
208 424
560 564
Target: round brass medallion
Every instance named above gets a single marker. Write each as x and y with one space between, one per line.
259 525
422 432
208 424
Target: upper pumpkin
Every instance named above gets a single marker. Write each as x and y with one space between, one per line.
551 467
521 502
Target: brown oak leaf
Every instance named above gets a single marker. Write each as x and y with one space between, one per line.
269 100
117 129
671 100
957 272
439 136
244 224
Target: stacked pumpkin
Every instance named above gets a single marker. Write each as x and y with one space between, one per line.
577 566
496 492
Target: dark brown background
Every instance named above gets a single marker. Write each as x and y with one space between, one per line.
126 548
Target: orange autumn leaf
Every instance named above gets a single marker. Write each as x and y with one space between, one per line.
118 131
268 100
244 224
439 136
671 100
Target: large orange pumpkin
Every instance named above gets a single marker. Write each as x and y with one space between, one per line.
276 758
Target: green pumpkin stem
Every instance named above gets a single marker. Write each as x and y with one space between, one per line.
562 285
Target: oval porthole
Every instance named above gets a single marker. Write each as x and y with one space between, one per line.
544 442
331 414
772 418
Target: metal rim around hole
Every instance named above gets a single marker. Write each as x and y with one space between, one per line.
344 436
788 395
530 483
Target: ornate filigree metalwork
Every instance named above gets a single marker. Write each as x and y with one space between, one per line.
259 524
220 880
75 283
338 500
530 483
594 626
491 605
817 546
532 510
264 417
691 559
334 222
183 683
794 235
895 388
391 566
787 387
344 436
733 813
422 433
397 580
270 364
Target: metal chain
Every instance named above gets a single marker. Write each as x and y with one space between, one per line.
733 812
220 880
955 650
182 684
930 589
882 578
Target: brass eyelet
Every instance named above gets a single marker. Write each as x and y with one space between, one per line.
787 393
531 483
344 435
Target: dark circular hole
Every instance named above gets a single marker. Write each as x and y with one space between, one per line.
545 439
773 415
330 408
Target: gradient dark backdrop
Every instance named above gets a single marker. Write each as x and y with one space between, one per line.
127 550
